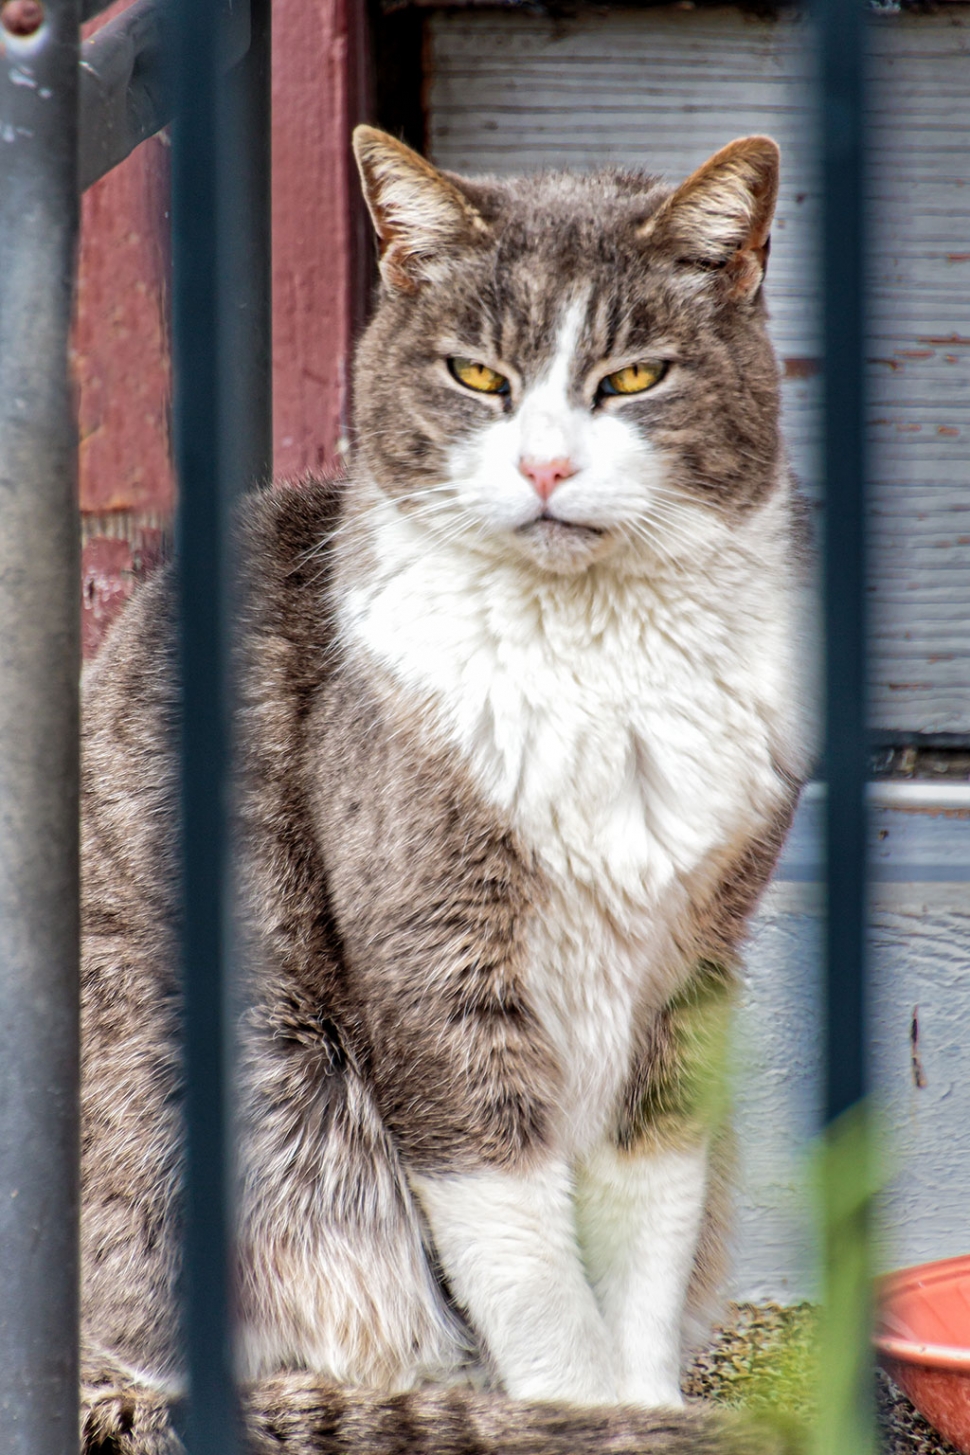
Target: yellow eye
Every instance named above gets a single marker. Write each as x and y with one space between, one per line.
635 378
478 376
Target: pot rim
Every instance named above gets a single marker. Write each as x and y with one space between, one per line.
949 1357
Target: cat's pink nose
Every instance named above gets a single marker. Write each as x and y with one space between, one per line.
545 475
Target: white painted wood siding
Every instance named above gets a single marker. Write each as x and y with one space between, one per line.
665 88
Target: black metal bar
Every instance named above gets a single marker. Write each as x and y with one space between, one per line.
223 440
845 1407
247 276
39 664
128 85
846 744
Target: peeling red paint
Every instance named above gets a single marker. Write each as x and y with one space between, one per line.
318 249
120 355
948 338
111 567
796 368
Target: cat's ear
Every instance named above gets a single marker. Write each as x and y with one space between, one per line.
720 218
419 215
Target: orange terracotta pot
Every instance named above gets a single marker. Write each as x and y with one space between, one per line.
923 1341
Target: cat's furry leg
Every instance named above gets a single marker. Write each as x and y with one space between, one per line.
122 1412
648 1200
335 1276
640 1213
507 1242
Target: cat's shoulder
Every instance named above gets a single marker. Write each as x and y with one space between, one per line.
283 620
286 535
286 614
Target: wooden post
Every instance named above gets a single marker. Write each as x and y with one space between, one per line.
320 253
322 265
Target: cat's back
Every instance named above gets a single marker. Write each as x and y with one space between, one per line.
130 692
131 1073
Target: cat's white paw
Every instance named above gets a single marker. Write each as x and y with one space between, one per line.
591 1386
652 1393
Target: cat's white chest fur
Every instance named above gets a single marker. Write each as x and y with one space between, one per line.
629 727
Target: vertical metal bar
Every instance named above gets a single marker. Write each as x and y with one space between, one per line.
221 332
39 665
847 1422
246 253
844 463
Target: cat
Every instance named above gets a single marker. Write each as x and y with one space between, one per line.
522 730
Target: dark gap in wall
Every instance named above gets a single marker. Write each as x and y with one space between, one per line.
397 44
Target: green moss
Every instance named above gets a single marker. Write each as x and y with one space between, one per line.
763 1360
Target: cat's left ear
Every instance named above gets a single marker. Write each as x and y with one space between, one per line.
420 216
720 218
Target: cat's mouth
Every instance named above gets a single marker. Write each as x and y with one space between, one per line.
550 528
562 546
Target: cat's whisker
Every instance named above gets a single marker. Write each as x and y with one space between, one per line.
667 500
680 523
343 528
445 488
686 519
655 542
675 539
357 519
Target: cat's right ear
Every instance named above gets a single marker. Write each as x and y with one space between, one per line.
720 218
419 215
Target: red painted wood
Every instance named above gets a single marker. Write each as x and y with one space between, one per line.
111 568
122 371
318 262
121 345
121 354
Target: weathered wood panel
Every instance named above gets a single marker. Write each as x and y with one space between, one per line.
122 363
121 343
665 88
318 253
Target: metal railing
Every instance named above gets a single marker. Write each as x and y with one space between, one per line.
39 663
845 1417
223 442
68 114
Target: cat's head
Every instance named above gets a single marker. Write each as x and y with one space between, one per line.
567 366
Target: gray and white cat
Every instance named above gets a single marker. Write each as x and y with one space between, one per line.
522 736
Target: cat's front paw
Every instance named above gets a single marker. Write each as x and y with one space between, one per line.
652 1393
589 1386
